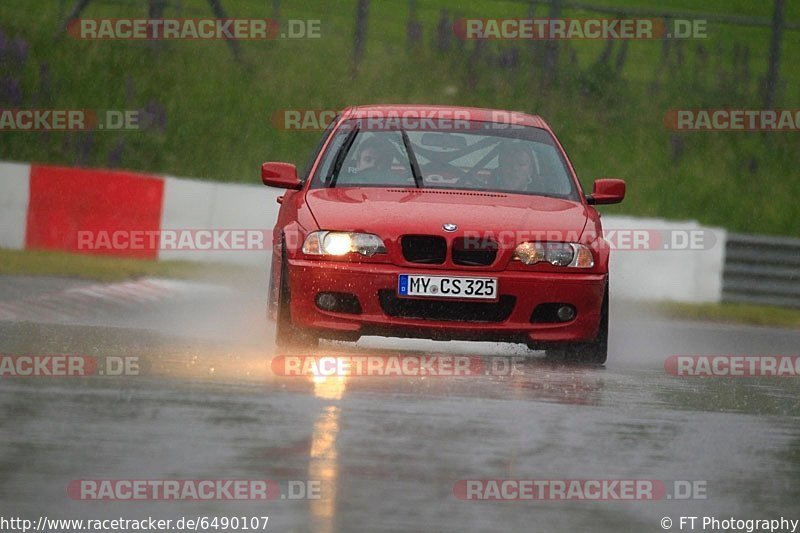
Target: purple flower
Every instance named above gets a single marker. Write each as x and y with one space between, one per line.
45 84
153 116
21 47
115 156
10 91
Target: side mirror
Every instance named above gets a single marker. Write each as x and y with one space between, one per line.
280 175
607 191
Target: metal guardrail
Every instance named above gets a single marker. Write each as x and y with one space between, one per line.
762 270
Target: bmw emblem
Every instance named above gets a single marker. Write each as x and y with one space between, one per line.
449 227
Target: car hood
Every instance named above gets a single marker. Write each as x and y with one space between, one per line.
391 212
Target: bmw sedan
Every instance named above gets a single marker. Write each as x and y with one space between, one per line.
442 223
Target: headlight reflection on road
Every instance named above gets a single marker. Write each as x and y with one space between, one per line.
323 462
329 387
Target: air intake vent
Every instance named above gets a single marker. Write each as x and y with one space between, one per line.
425 249
474 252
443 310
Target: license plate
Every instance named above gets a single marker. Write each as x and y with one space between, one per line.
447 287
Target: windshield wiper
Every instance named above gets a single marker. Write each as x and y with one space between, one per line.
412 159
333 173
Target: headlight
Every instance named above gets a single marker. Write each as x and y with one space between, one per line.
565 254
341 243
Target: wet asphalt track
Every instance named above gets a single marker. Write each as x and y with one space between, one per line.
387 451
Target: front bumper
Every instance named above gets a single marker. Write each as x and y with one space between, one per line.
372 282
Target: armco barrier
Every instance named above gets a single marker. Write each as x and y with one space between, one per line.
45 207
762 270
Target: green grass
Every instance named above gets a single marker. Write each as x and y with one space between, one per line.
99 268
218 112
733 313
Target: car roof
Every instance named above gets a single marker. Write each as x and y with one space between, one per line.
445 112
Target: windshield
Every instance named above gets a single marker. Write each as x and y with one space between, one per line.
513 159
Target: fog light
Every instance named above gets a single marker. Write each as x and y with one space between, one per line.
338 302
327 301
566 313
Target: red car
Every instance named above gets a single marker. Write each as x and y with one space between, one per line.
441 223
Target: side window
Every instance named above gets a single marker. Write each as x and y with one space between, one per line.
307 169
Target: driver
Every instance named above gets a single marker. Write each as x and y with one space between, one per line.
515 169
375 156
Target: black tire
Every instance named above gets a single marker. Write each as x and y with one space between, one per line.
594 352
287 334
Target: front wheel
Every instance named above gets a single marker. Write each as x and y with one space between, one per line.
287 334
594 352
